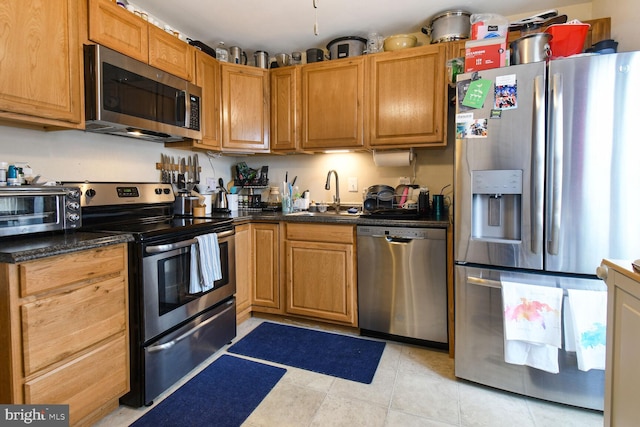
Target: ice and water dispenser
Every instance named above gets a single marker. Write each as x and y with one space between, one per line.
496 205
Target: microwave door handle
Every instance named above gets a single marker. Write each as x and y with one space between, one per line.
537 162
182 112
556 145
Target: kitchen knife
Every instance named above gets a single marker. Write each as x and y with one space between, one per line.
196 168
189 174
163 175
173 171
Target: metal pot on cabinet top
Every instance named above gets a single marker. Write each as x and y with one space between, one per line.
261 58
237 55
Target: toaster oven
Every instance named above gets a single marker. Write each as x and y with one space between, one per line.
35 209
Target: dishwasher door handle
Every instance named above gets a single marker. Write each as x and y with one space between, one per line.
398 240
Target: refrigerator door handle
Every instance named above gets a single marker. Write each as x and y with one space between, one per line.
484 282
537 162
556 146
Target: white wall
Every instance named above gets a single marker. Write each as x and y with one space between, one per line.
78 156
624 21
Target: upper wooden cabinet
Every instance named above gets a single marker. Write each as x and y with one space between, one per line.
41 62
245 109
406 98
207 76
285 109
333 104
116 28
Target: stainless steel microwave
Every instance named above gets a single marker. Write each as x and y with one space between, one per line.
33 209
127 97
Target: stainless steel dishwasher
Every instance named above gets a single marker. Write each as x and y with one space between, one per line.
402 284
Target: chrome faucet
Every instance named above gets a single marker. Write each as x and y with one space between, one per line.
336 198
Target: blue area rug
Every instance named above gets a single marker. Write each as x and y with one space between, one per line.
351 358
223 395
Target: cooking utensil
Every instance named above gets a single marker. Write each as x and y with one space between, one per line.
173 171
531 48
196 166
399 41
449 26
237 55
261 59
283 59
344 47
314 55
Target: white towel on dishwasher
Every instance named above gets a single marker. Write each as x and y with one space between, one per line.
205 263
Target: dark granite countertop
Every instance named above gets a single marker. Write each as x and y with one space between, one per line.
26 248
332 218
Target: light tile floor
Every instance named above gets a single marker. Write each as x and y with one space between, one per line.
413 386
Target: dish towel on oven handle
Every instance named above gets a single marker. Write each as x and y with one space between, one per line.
586 327
532 325
205 263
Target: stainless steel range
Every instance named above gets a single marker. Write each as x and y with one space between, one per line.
172 328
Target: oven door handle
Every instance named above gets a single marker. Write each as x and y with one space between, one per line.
183 244
168 345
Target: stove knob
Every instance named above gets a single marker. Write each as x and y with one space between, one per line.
90 192
73 217
167 191
158 191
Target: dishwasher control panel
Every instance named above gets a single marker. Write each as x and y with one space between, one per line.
402 232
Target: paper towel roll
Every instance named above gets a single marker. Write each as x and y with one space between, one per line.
392 158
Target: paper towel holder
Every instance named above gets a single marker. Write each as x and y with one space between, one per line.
393 157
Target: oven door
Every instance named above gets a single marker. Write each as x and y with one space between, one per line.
166 275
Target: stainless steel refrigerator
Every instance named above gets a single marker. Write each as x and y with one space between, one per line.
547 183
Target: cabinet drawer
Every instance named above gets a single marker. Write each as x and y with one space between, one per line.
321 233
58 326
85 383
42 275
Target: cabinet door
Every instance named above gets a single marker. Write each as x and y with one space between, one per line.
86 383
623 351
285 109
245 109
116 28
320 281
208 78
407 98
333 104
244 267
41 61
168 53
266 262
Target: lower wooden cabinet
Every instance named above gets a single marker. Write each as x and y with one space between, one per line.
265 243
64 332
320 272
258 269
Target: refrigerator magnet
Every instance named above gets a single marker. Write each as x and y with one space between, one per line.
506 92
477 93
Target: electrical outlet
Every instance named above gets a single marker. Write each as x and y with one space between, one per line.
404 180
353 184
